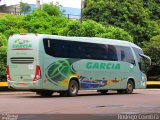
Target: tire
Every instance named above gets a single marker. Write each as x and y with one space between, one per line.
45 93
130 87
103 91
73 88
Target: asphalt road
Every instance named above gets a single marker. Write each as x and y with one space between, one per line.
88 104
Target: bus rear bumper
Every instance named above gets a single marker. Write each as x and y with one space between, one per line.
23 85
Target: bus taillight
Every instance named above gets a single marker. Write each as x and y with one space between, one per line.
37 73
8 73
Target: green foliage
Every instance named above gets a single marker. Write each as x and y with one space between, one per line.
131 15
116 33
91 28
24 7
88 28
37 22
72 29
3 40
115 12
3 61
11 24
51 9
14 31
152 49
154 8
58 24
41 22
3 55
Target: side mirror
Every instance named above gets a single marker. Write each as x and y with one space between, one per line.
145 63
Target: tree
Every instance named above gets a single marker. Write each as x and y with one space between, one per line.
11 24
3 57
116 33
88 28
154 8
3 40
130 15
152 49
41 22
24 7
51 9
91 28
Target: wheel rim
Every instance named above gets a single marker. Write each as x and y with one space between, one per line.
73 88
130 87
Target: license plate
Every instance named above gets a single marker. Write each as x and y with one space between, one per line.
21 84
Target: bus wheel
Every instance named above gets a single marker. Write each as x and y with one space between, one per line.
73 88
45 93
103 91
130 87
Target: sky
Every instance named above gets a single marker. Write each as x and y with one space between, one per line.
64 3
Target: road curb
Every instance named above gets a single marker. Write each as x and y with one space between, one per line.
12 92
15 93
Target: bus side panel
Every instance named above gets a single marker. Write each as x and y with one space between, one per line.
57 73
92 74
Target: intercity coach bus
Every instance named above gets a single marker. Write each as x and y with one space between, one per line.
48 63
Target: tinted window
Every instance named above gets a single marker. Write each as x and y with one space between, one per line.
73 49
126 55
112 53
70 49
138 52
95 51
48 46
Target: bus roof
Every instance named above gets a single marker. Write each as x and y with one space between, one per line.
84 39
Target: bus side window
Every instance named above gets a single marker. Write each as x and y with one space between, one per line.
48 46
122 55
145 63
138 57
112 53
126 55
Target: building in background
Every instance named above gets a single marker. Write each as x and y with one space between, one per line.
12 9
70 13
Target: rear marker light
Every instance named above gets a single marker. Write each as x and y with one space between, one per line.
8 73
37 73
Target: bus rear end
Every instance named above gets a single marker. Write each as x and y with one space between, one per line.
23 69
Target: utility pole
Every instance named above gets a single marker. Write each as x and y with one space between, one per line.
82 6
38 3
